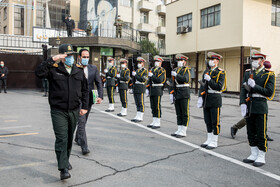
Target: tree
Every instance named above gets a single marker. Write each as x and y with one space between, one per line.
148 47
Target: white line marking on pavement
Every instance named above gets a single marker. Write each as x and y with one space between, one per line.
32 164
16 127
259 170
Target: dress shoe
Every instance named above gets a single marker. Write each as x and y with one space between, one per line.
85 151
64 174
233 132
268 138
69 166
155 127
108 110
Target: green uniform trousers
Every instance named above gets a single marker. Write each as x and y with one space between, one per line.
123 97
110 93
256 131
156 106
182 111
64 124
212 119
139 101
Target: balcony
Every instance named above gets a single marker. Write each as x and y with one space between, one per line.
145 5
144 27
161 10
161 30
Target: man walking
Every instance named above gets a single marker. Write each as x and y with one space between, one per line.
93 77
68 87
215 84
3 76
157 78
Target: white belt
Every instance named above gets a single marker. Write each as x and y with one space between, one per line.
182 85
214 91
123 82
109 77
155 85
257 95
137 82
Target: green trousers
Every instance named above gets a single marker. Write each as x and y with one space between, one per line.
155 102
182 111
110 93
212 119
123 97
64 124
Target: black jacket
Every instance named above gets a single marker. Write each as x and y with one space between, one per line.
65 91
3 70
70 24
94 78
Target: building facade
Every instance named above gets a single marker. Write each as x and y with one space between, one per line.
230 28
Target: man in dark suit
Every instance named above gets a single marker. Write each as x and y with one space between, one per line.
92 74
70 25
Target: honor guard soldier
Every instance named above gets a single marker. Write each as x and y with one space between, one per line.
157 78
210 98
181 93
258 87
111 74
123 79
139 88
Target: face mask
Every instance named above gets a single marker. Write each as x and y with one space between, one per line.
180 63
69 18
211 63
85 61
255 64
139 66
2 65
157 64
110 65
69 60
123 65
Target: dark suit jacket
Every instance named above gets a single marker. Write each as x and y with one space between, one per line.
94 78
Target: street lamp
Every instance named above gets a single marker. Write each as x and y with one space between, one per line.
57 41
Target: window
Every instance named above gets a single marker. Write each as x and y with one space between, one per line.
162 21
127 3
143 36
161 42
144 17
210 16
5 13
275 14
185 20
18 20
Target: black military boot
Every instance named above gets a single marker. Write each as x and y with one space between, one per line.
64 174
233 132
5 89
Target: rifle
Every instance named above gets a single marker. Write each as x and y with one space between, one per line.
133 69
205 83
149 86
248 99
173 80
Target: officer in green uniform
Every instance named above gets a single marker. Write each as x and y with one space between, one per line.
210 98
139 88
157 78
123 77
181 89
111 74
258 87
68 87
118 23
89 29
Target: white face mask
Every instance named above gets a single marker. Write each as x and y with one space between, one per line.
255 64
123 65
110 65
180 63
139 66
157 64
211 63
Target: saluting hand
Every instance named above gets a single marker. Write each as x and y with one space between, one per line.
59 57
83 112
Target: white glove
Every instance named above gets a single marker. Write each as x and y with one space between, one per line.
207 77
173 73
147 92
150 74
118 75
133 73
199 102
243 110
251 82
171 98
106 70
117 89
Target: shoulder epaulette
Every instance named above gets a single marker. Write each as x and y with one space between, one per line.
79 66
268 70
248 69
221 69
55 65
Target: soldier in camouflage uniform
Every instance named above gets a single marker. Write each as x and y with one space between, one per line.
118 23
157 78
210 98
181 91
139 88
124 77
111 74
258 87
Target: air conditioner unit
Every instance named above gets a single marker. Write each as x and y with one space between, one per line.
182 29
